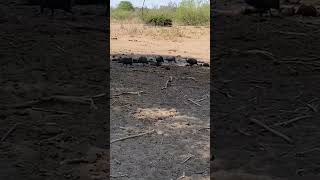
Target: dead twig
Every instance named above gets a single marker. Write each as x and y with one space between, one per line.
187 159
300 62
120 175
68 99
60 48
167 83
308 151
312 106
129 93
52 111
271 130
292 120
222 92
4 137
291 33
132 136
74 161
260 52
194 102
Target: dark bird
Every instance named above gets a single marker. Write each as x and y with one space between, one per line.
264 5
171 59
159 60
192 61
126 60
143 60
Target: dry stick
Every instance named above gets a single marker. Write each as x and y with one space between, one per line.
271 130
187 159
312 107
194 102
53 111
97 96
74 161
222 92
133 136
308 151
60 48
4 137
292 120
69 99
261 52
120 175
167 83
129 93
301 62
291 33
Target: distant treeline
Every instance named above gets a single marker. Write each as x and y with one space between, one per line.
187 12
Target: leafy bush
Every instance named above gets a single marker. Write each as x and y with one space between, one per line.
125 6
192 12
160 20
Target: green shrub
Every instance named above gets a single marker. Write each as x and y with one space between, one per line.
192 12
125 6
159 20
121 14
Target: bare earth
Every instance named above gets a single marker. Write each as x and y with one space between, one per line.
176 118
133 37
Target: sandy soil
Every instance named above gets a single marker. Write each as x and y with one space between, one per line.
252 85
43 57
131 37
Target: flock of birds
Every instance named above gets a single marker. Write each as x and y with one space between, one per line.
156 60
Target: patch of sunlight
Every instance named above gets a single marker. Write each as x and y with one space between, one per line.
154 114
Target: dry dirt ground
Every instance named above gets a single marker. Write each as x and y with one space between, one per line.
134 37
64 137
172 123
280 91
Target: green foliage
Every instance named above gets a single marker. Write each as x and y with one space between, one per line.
192 12
187 12
122 15
125 6
158 20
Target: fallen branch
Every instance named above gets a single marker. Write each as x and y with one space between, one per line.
301 62
133 136
129 93
74 161
313 107
167 83
271 130
194 102
292 120
4 137
52 111
120 175
187 159
291 33
308 151
222 92
68 99
260 52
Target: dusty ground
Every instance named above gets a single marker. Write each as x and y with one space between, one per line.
42 57
248 86
178 145
134 37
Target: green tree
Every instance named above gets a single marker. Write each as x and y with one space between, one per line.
125 6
